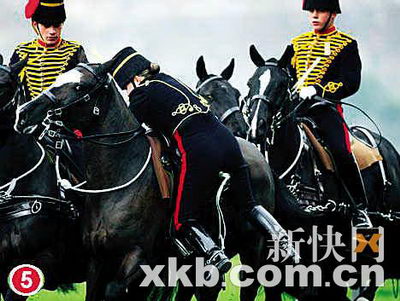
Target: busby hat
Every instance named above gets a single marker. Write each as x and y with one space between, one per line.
46 11
328 5
127 64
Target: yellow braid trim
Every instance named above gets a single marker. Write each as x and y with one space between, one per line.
330 87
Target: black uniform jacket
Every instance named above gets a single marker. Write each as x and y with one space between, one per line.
45 64
165 104
332 61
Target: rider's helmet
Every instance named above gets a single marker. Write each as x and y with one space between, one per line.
127 64
46 12
328 5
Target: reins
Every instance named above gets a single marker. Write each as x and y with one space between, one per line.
11 185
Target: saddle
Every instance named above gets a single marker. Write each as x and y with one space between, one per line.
365 155
163 165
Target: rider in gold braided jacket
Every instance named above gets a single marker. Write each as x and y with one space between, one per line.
326 62
206 147
48 55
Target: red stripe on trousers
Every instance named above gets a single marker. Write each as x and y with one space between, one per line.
182 176
345 129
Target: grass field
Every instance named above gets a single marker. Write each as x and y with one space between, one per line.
385 293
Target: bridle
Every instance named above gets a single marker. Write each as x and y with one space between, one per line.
257 99
53 116
100 83
53 119
229 111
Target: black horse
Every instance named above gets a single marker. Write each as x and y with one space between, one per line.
36 225
222 96
125 225
276 119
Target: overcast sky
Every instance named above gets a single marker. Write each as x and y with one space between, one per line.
175 33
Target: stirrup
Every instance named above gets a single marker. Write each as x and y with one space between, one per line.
289 250
220 261
361 219
193 239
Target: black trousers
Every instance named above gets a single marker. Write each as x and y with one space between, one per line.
208 147
333 130
337 138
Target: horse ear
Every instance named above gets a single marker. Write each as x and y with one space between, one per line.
228 72
201 68
286 57
1 60
17 67
256 56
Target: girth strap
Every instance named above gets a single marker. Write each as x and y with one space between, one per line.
13 209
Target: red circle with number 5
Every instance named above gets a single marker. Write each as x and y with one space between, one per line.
26 280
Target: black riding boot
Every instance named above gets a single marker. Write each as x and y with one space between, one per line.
257 215
194 239
354 183
260 218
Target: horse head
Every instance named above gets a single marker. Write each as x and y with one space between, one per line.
222 96
80 88
268 90
9 80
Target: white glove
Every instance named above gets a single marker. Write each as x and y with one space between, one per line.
307 92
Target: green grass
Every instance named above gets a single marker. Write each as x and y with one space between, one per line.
230 294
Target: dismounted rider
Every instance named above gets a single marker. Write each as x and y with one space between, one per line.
206 147
326 62
48 55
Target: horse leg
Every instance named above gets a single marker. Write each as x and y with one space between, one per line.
254 256
128 278
184 293
367 293
333 293
207 294
95 284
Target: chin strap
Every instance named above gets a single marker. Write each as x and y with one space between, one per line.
37 31
326 23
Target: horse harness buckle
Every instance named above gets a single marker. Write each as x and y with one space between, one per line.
96 111
59 144
36 207
86 98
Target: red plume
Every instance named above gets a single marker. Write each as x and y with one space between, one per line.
31 7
